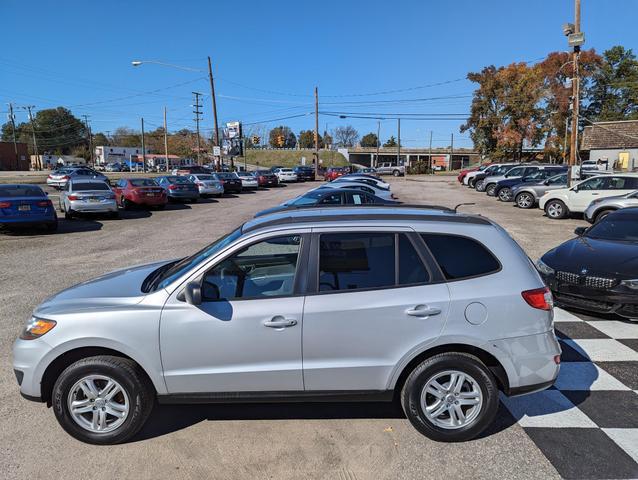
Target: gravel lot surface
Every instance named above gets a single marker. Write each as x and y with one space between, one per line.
344 441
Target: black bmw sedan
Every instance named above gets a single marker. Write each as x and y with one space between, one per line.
598 270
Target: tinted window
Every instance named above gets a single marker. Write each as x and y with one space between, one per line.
623 183
460 257
516 172
264 269
359 198
596 183
411 268
558 179
20 191
333 199
350 261
143 182
79 186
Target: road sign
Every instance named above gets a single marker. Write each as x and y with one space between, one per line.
217 151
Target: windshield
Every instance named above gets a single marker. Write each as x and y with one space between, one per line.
143 182
205 177
166 274
20 191
501 170
78 187
622 227
309 198
562 178
227 176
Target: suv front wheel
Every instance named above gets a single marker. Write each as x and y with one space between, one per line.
450 397
556 209
102 400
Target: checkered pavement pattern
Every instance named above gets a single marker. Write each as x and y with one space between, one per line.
587 423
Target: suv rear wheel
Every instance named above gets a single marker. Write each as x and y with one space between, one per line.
602 214
396 173
505 194
450 397
490 189
480 185
556 209
103 399
525 200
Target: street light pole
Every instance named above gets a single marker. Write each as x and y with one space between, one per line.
165 141
214 101
316 132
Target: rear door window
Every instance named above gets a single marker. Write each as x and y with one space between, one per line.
411 267
460 257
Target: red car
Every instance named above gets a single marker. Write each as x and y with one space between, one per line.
139 191
333 173
463 173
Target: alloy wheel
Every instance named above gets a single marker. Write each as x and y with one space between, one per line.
555 210
505 194
451 399
525 200
98 403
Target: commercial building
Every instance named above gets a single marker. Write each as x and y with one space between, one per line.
613 143
111 154
51 161
8 158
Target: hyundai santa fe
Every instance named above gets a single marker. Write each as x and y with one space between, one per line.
434 309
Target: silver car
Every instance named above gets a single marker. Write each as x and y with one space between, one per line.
385 194
86 195
526 195
59 178
248 181
208 184
387 168
441 309
601 207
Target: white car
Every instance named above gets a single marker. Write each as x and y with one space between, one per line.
248 180
562 202
370 180
381 193
285 174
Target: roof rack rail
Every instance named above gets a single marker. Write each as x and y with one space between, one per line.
370 205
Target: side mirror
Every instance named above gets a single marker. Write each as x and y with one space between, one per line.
580 231
546 182
193 293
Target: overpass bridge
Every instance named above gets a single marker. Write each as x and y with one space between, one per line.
439 158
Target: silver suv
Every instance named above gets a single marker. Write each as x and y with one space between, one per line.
318 304
387 168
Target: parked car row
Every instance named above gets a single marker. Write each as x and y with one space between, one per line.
528 185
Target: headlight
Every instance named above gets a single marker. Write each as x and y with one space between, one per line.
633 284
36 327
544 268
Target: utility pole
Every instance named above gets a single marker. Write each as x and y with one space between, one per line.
573 148
166 142
449 166
90 139
431 167
565 141
399 142
316 132
214 101
143 149
12 118
376 160
197 113
35 142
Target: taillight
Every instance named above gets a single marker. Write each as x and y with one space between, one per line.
172 187
45 203
262 178
5 204
49 176
66 177
540 298
73 197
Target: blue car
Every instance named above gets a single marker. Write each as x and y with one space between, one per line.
503 189
26 205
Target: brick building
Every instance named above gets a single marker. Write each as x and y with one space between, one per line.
8 157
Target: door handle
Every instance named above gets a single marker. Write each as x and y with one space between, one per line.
280 322
422 311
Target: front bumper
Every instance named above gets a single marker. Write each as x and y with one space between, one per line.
531 360
618 299
29 364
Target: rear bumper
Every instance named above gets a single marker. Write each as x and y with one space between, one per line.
97 207
531 361
211 190
28 221
138 200
182 195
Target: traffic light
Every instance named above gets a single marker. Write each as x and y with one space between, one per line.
256 140
280 140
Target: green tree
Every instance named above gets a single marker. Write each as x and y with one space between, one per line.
370 140
307 139
392 142
127 137
100 139
613 94
282 137
57 131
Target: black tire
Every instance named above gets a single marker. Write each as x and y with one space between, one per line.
556 209
479 186
490 189
462 362
161 207
194 200
525 200
52 227
124 203
396 173
602 214
68 214
471 182
124 371
505 194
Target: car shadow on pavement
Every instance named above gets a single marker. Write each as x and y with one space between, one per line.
166 419
135 214
174 205
64 226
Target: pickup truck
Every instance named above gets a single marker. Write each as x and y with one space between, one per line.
388 168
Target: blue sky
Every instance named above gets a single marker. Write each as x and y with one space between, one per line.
268 57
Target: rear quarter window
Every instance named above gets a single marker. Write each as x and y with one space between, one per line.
460 257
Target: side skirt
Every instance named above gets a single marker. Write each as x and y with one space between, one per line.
278 397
